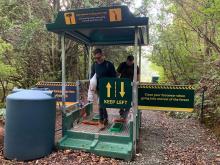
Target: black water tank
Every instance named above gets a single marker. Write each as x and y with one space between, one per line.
30 125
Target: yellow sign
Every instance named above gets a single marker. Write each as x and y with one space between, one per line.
115 15
70 18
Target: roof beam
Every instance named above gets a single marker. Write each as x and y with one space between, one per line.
79 37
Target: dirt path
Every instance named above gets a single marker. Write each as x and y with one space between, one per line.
176 141
165 141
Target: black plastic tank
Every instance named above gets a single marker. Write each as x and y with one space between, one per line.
29 125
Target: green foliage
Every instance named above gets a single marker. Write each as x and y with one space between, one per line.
28 31
6 70
4 47
188 48
32 54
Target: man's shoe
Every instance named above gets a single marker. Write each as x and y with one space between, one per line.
101 125
106 122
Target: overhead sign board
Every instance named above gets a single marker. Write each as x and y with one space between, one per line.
56 87
115 93
165 98
90 16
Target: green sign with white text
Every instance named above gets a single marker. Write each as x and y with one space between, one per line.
115 93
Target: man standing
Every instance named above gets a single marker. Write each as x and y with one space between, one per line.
126 70
102 68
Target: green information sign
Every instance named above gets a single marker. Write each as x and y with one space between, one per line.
84 16
165 98
115 93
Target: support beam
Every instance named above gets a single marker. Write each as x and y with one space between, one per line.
90 61
134 91
63 70
140 62
81 38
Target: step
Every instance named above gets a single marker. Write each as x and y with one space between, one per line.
80 144
115 147
114 150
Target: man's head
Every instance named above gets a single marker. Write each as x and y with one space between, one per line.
130 60
98 55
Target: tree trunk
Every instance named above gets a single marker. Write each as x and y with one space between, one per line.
3 91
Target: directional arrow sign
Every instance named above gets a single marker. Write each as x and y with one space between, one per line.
122 93
108 86
115 92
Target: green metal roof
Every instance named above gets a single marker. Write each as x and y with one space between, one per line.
101 26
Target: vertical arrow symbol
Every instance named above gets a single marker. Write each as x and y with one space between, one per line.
122 93
108 86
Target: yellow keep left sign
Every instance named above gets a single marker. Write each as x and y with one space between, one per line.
70 18
115 15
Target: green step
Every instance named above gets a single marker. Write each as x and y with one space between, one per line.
96 117
81 144
102 145
116 127
114 150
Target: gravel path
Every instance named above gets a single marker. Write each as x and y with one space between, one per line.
164 140
153 140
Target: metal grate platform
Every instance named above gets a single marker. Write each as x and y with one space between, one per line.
92 129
